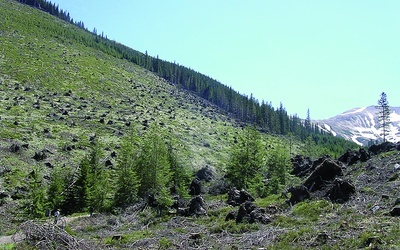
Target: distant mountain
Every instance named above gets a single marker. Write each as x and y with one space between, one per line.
361 125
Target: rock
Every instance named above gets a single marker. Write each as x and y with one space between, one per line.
364 155
4 194
207 174
350 157
230 216
298 194
396 167
195 187
236 197
302 165
380 148
341 191
15 147
397 202
395 211
40 155
252 214
197 206
327 171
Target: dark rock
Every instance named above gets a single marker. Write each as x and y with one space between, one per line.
327 171
341 191
15 147
230 216
108 163
49 165
236 197
40 155
395 211
206 174
195 187
302 165
252 214
298 194
381 148
4 194
349 158
197 206
364 155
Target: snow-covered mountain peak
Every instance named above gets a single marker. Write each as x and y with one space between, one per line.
361 125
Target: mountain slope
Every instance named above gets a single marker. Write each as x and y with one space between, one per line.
361 125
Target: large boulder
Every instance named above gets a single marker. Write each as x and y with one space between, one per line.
298 194
341 191
381 148
325 172
236 197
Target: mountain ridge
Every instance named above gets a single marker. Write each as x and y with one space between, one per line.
361 126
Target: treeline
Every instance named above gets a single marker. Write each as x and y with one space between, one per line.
244 108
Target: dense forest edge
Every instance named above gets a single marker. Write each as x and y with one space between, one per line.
245 108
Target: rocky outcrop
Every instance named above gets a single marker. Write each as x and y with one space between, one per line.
341 191
236 197
249 212
351 157
325 172
381 148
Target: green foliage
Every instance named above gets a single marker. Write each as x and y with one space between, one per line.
90 188
312 210
278 165
56 188
128 238
36 201
164 243
247 160
128 180
153 168
384 115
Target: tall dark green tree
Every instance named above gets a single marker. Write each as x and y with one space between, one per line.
383 115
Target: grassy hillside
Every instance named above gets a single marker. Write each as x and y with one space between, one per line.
57 93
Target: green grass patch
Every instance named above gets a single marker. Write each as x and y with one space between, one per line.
127 238
312 210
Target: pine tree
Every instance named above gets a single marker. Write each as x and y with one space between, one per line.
383 115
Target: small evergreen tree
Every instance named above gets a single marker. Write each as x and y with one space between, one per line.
247 160
127 179
278 163
36 201
383 115
56 188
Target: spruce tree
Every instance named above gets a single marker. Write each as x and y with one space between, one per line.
383 115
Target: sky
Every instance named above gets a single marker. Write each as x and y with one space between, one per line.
325 56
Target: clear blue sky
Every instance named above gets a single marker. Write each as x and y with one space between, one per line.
326 56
